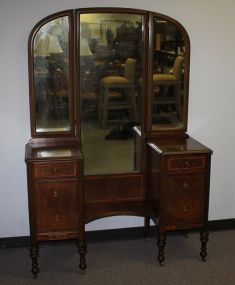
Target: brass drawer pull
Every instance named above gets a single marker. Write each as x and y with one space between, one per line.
55 170
58 169
185 209
185 185
187 163
57 218
55 194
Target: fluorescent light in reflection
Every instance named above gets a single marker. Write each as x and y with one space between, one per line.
42 130
54 153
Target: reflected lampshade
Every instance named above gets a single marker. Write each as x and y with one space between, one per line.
84 47
47 45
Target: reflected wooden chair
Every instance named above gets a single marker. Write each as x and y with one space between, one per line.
170 80
118 93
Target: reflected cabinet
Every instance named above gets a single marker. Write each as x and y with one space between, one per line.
108 110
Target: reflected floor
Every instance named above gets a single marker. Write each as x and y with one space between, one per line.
102 156
52 125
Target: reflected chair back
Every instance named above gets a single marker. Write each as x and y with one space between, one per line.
178 66
129 70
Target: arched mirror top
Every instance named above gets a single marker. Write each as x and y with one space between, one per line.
168 76
51 72
54 73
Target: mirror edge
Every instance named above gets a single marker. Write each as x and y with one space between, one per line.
168 132
51 136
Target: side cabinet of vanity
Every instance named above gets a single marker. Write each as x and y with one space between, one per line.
179 178
55 189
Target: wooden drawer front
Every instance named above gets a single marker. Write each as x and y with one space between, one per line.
55 170
185 198
186 163
56 206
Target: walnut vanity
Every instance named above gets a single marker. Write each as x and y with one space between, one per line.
109 108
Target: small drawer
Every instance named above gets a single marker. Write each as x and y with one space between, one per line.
181 185
185 209
56 205
186 163
54 170
185 197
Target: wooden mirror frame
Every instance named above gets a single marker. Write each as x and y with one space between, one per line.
167 132
74 133
56 135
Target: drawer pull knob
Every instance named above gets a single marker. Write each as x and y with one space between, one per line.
185 185
55 170
187 163
57 218
185 209
55 194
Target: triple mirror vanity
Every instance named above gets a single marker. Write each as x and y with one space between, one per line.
108 107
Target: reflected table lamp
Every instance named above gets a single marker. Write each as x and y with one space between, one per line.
46 50
85 54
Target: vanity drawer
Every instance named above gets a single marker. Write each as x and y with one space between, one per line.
186 163
185 185
56 206
185 198
53 170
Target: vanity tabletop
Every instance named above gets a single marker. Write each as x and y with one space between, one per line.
178 146
62 152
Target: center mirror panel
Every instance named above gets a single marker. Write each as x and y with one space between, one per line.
111 68
168 87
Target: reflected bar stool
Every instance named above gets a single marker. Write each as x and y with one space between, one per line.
109 100
173 80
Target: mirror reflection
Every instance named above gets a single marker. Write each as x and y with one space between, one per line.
168 75
51 73
111 49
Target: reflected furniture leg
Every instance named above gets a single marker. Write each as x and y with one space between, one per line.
146 227
186 232
161 242
82 248
204 239
34 253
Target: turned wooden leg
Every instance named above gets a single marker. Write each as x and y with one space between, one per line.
161 242
34 253
82 247
204 239
186 233
146 227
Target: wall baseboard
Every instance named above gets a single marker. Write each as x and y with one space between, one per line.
114 234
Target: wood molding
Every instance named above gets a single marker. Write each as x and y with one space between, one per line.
114 234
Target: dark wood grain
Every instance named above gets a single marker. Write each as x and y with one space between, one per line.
173 178
55 192
109 188
100 210
179 175
54 170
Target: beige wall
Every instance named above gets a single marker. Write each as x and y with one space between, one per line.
210 25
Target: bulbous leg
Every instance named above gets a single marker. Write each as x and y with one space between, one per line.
34 253
204 239
186 233
146 227
82 247
161 242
